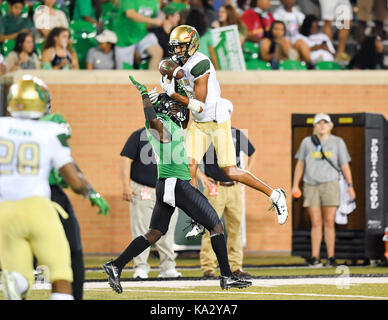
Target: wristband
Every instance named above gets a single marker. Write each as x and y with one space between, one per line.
176 71
350 184
195 105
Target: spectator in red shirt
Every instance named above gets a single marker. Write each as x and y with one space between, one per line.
258 19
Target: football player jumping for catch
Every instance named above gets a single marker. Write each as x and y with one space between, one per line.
211 118
164 125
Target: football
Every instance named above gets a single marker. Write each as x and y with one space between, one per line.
167 67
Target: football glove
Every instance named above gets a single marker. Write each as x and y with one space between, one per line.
153 94
96 200
139 86
168 88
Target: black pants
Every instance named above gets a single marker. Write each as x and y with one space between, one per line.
187 198
73 235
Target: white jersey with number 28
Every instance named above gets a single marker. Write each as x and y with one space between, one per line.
29 149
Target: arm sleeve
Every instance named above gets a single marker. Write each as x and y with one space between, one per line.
131 147
200 69
246 146
61 153
301 153
343 154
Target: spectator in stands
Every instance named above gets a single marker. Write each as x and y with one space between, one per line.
321 48
170 19
341 12
275 47
293 20
258 19
23 55
370 55
196 19
228 15
131 30
321 195
88 10
46 18
3 66
380 13
208 11
57 51
12 23
102 57
179 4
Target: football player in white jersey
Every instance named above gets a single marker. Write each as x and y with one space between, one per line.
211 117
29 222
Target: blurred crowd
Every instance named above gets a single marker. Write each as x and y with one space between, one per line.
133 34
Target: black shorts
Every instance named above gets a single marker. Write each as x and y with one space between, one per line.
70 225
187 198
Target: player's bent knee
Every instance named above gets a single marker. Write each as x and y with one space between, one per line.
218 229
153 235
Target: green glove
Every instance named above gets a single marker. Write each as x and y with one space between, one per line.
141 87
96 200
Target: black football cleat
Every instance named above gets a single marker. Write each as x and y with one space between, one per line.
233 282
113 276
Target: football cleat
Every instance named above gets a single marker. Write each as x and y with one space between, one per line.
196 230
113 276
170 273
233 282
278 198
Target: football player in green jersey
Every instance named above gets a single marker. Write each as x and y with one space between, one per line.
71 225
164 124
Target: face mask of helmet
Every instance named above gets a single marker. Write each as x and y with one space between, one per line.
174 110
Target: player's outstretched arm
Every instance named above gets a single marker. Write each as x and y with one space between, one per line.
150 113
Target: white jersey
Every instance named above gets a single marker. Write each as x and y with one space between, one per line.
195 67
29 149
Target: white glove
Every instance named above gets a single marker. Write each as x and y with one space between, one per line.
153 95
168 87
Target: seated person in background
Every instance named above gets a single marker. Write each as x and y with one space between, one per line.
57 51
131 28
170 19
275 46
321 48
210 15
12 23
228 15
291 17
258 20
88 10
47 18
102 57
293 20
370 55
196 19
23 55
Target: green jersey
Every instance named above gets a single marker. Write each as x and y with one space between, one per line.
171 157
55 177
128 31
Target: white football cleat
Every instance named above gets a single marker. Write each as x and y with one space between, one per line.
170 273
278 198
140 274
196 230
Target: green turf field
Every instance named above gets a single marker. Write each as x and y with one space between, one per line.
274 278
